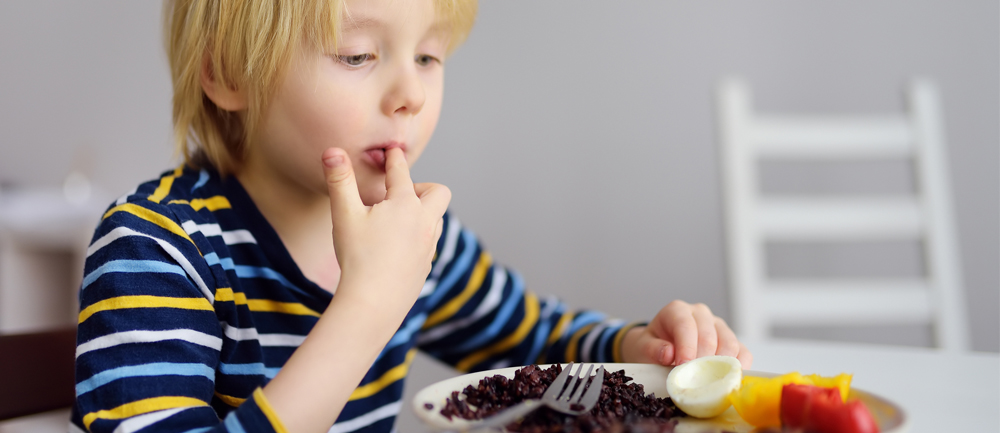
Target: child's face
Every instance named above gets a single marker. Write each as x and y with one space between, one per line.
382 89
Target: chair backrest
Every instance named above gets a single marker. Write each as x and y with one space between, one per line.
36 372
753 219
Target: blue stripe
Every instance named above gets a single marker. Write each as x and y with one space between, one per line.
256 368
604 342
202 178
250 369
461 265
244 271
404 334
226 263
541 335
153 369
583 319
515 298
132 266
199 430
232 424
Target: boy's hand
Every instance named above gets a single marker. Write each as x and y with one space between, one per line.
384 251
681 332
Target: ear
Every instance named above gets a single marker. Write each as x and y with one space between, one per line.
221 93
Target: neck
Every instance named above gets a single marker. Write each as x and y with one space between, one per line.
300 216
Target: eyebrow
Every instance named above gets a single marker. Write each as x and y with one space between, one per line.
361 22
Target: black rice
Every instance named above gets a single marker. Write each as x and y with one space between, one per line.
622 407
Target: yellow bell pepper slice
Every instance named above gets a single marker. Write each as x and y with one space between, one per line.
758 401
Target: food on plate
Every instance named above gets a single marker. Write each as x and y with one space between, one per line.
817 409
701 387
758 400
622 407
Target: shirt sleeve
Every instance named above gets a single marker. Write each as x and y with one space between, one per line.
148 339
480 316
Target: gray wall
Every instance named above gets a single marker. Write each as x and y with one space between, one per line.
578 141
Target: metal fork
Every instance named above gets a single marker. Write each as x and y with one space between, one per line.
562 395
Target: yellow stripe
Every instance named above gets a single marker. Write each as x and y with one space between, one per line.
226 294
150 216
616 351
140 407
267 305
475 281
556 333
144 301
212 203
265 406
574 341
165 183
530 319
230 400
396 373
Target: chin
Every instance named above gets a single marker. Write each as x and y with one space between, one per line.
372 197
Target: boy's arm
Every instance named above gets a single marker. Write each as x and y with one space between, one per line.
481 316
148 335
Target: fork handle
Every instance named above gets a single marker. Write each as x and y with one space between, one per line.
508 416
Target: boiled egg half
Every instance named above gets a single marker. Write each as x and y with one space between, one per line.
701 387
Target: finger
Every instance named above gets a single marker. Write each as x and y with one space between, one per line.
340 182
682 330
745 357
729 345
655 350
437 230
708 338
397 174
435 199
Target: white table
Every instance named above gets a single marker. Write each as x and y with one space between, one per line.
940 391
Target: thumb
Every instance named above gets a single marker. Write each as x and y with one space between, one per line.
340 182
655 350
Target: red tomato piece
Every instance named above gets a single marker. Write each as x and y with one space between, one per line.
818 409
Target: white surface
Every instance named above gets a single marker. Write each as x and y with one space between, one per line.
754 220
940 391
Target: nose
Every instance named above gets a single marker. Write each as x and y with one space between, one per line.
406 93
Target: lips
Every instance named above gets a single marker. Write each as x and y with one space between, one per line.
375 155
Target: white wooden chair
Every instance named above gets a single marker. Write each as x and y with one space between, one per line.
760 303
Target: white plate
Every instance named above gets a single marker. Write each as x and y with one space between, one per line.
889 416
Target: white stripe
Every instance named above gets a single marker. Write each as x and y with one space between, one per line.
489 303
428 288
273 340
238 237
121 200
588 343
126 337
450 242
74 429
121 232
229 237
239 334
137 423
391 409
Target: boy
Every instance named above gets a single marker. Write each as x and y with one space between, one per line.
298 119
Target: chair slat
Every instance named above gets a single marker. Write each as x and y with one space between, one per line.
787 136
822 302
839 218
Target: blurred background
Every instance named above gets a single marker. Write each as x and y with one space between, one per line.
580 143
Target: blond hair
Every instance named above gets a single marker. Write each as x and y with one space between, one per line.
249 43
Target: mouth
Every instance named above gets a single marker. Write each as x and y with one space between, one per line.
375 155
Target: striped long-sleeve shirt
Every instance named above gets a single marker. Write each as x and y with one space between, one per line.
190 303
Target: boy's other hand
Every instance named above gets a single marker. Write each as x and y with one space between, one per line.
385 250
681 332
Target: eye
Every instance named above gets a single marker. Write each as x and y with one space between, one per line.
425 59
355 60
